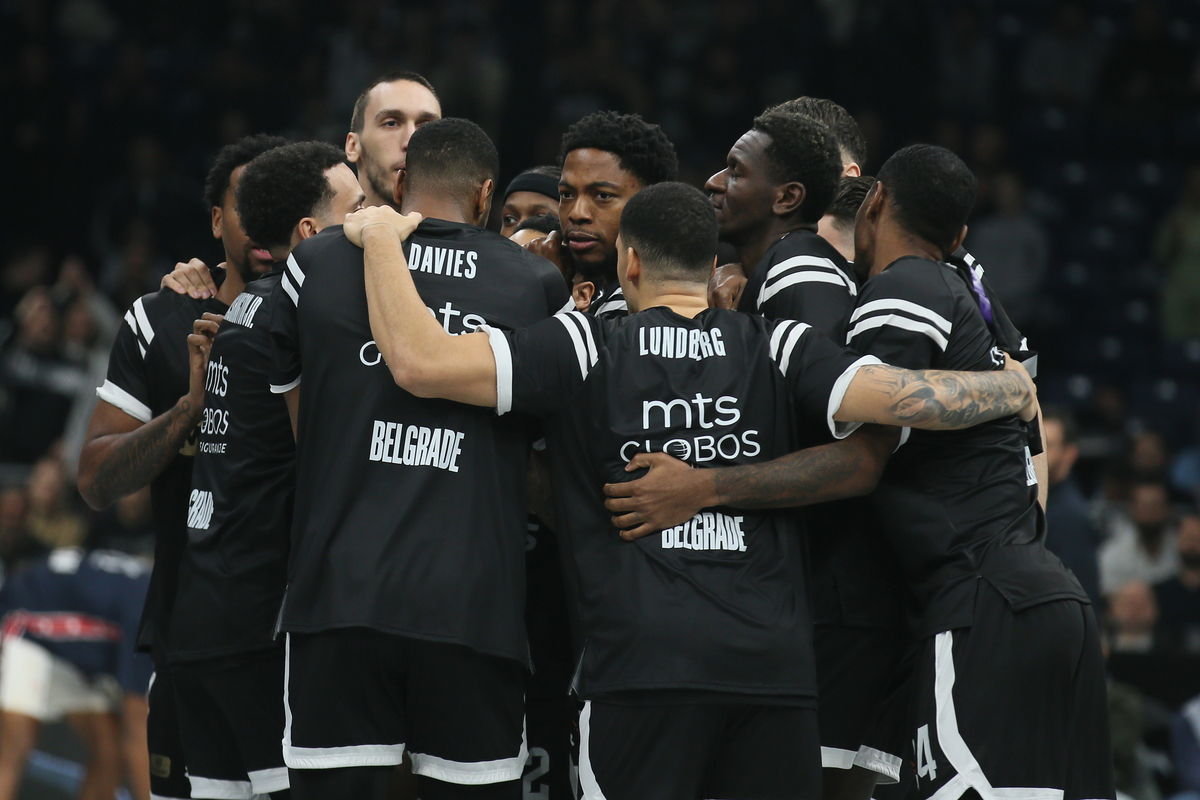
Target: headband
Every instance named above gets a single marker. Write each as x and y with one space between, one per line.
533 182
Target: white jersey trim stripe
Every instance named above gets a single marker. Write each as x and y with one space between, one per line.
215 789
504 369
899 322
567 306
114 395
841 430
143 322
837 758
472 773
286 387
886 765
291 290
896 304
266 781
593 356
613 305
294 268
576 340
588 784
770 290
777 336
790 346
137 337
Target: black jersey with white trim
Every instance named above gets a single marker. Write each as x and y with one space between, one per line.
410 513
803 277
609 302
717 604
148 371
234 566
952 502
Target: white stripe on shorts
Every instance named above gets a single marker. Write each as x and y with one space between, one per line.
587 777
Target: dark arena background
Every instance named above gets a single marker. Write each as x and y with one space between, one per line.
1081 121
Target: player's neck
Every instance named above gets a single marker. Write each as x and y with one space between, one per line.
435 208
233 284
756 244
686 300
890 247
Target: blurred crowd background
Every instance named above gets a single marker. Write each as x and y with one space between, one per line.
1082 121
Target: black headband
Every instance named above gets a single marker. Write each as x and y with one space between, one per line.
533 182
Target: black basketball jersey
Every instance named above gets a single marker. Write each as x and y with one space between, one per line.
410 513
955 504
609 301
147 374
234 567
717 604
803 277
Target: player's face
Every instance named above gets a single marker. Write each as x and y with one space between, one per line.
240 252
592 192
743 193
393 111
347 193
520 206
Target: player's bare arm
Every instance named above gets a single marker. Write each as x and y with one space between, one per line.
671 492
121 454
422 357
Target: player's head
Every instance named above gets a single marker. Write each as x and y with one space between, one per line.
668 235
837 226
852 146
535 227
532 193
606 159
385 115
923 195
219 192
454 161
784 168
290 193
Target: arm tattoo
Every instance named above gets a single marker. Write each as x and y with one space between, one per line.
949 400
816 475
140 456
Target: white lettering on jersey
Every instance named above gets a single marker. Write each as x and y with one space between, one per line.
216 448
708 530
364 354
215 422
448 314
200 508
415 446
1030 470
242 312
672 342
699 449
217 378
447 261
725 405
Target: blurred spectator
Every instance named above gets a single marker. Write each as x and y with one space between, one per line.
1061 62
1146 72
471 80
1178 250
1185 749
1070 532
1185 469
37 384
1178 597
51 520
967 63
16 545
1013 247
1132 618
1142 546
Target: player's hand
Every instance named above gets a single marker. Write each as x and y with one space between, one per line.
192 279
725 286
199 345
669 494
550 247
403 224
1030 411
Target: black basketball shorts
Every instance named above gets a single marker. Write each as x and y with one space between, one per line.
168 770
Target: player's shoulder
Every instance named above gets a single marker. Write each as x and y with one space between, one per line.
330 241
507 250
911 278
152 313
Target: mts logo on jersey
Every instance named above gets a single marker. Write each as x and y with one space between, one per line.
217 378
708 530
200 508
416 446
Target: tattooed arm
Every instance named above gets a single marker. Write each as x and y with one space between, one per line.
671 492
936 399
121 454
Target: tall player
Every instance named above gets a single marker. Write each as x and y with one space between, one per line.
695 686
227 663
143 432
406 581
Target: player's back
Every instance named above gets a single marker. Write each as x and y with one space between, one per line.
410 512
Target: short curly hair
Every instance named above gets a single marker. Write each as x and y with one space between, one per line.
640 147
802 150
933 192
232 156
846 133
282 187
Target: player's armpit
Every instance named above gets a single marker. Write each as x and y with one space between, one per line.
934 399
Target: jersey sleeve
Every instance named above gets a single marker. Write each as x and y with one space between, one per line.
818 371
539 368
125 385
285 329
901 320
557 293
808 288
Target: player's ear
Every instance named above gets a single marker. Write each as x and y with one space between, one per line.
633 265
398 188
483 204
852 170
872 206
958 240
353 147
307 227
218 214
788 199
713 271
582 293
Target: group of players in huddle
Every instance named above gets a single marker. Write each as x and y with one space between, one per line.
765 525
